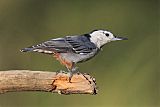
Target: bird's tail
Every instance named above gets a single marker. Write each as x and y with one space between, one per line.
29 49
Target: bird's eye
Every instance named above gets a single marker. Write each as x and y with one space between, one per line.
107 34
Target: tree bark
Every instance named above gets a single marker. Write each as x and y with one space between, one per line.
25 80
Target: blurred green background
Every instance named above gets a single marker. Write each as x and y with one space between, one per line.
127 72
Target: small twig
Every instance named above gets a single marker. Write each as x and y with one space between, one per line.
25 80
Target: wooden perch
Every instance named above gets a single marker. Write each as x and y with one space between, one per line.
25 80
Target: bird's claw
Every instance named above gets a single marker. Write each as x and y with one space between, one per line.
62 71
69 79
70 73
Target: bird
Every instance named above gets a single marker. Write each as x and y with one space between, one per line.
70 50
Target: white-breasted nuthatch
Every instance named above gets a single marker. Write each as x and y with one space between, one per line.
70 50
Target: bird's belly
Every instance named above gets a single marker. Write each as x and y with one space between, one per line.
76 57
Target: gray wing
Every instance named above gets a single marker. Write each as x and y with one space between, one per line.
81 44
75 44
58 45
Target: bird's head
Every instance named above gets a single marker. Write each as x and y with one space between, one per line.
101 37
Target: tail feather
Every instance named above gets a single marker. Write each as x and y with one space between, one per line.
26 49
40 50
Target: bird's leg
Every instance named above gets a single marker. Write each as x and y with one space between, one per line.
70 76
75 70
72 71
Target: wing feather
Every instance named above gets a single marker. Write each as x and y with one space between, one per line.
74 44
81 44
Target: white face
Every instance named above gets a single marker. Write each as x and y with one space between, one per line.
101 37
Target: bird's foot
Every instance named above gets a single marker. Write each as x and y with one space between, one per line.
61 71
70 75
69 80
71 72
75 70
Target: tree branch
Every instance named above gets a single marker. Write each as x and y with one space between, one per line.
25 80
